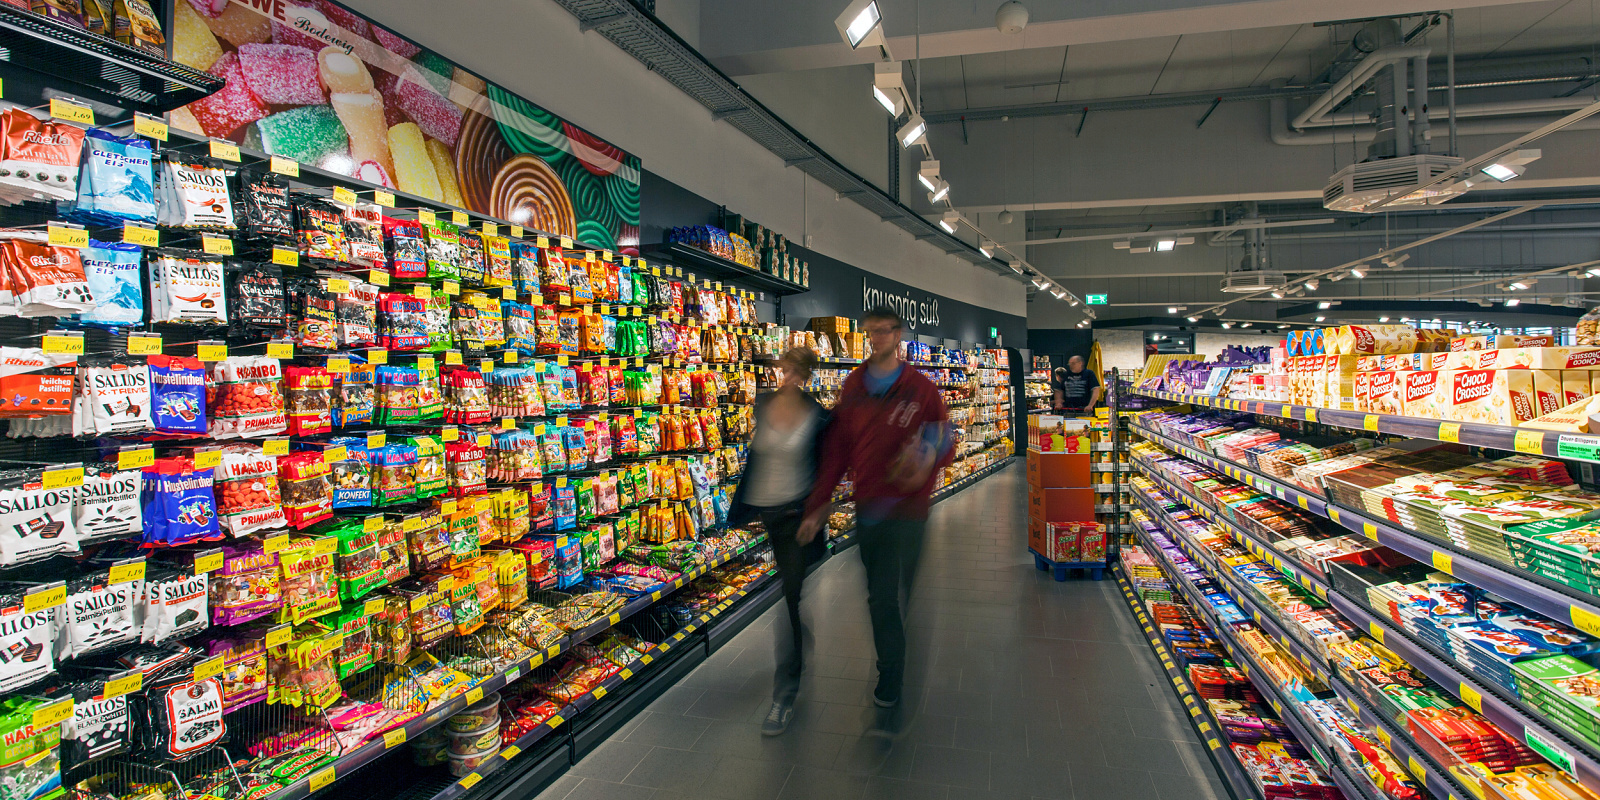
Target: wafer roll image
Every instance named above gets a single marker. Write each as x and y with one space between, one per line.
362 116
342 72
413 167
444 163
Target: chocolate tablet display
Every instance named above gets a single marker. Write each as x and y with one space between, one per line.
1422 612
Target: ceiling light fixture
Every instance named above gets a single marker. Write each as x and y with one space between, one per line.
1512 302
861 23
1325 305
889 87
1227 324
1074 300
949 221
1322 319
1311 286
1192 319
1165 245
1395 262
986 247
1357 273
1281 327
1247 324
929 174
940 191
1519 285
1277 295
1121 245
1512 165
1383 319
913 131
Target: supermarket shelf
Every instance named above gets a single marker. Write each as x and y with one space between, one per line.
1227 766
1283 491
372 749
705 264
1398 742
1512 717
584 701
1264 618
1501 437
1523 588
1306 575
1286 710
67 52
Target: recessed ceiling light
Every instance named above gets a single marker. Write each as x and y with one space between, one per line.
1321 319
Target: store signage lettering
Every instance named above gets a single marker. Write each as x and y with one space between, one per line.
915 312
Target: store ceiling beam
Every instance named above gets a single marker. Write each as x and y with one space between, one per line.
640 35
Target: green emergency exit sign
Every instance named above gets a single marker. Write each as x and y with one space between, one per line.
1095 299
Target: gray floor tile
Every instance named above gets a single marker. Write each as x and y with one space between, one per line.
611 760
1103 782
968 769
731 706
893 789
812 783
596 789
668 768
668 730
745 779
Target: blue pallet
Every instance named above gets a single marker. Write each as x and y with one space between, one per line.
1096 568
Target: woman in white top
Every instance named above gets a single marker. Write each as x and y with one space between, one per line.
779 472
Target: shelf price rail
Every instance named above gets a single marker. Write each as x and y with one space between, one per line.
1511 716
1398 742
1221 755
460 786
372 749
1500 437
1269 692
1523 588
1526 725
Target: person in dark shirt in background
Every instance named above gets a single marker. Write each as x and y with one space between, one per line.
1075 389
892 431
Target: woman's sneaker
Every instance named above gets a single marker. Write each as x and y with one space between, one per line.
778 717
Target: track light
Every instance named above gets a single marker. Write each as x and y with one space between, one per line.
1336 277
1074 301
1357 273
1192 319
889 87
1060 295
1512 302
986 247
1383 319
1518 285
861 23
941 190
949 221
1512 165
1121 245
1594 272
1247 324
1227 325
912 132
1311 286
1322 319
1281 327
928 174
1277 295
1165 245
1395 262
1038 284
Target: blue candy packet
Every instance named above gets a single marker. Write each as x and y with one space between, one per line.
112 269
116 180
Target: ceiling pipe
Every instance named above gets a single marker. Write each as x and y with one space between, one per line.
1342 89
1282 134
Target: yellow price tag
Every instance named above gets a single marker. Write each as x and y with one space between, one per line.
285 166
646 658
426 216
62 478
561 361
372 607
275 544
1443 562
561 482
566 243
1529 442
1376 630
275 447
375 357
67 236
141 236
209 668
1450 432
66 345
452 357
450 287
450 434
42 599
377 440
71 111
1370 422
211 352
339 365
490 229
615 618
136 459
541 242
332 454
515 231
320 780
1585 620
486 365
1369 530
377 277
422 292
208 562
53 714
474 695
555 721
383 198
126 573
394 738
208 459
510 752
342 194
127 684
227 151
216 245
149 127
626 673
418 603
460 218
280 349
599 692
1471 697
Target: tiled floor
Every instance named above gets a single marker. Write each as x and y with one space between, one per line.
1022 687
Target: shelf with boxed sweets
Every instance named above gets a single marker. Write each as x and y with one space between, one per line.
1522 723
1205 727
1288 710
1397 740
700 261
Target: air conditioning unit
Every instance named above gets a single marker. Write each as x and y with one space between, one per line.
1358 186
1251 282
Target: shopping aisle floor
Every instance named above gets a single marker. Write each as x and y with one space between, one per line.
1023 687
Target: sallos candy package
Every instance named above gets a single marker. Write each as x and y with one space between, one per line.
178 394
187 287
179 505
108 503
34 522
175 605
100 726
114 397
27 639
194 195
97 616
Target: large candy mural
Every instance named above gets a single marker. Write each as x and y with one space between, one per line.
318 83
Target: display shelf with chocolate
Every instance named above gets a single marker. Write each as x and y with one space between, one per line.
1533 727
1574 446
1354 787
1207 729
124 75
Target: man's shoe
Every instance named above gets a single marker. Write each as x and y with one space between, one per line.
778 717
885 723
884 697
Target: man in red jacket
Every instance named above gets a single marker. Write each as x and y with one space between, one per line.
891 430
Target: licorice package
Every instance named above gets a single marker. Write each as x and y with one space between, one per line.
257 305
264 206
108 504
181 717
113 397
319 226
34 522
175 605
402 322
97 616
100 726
27 639
443 250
